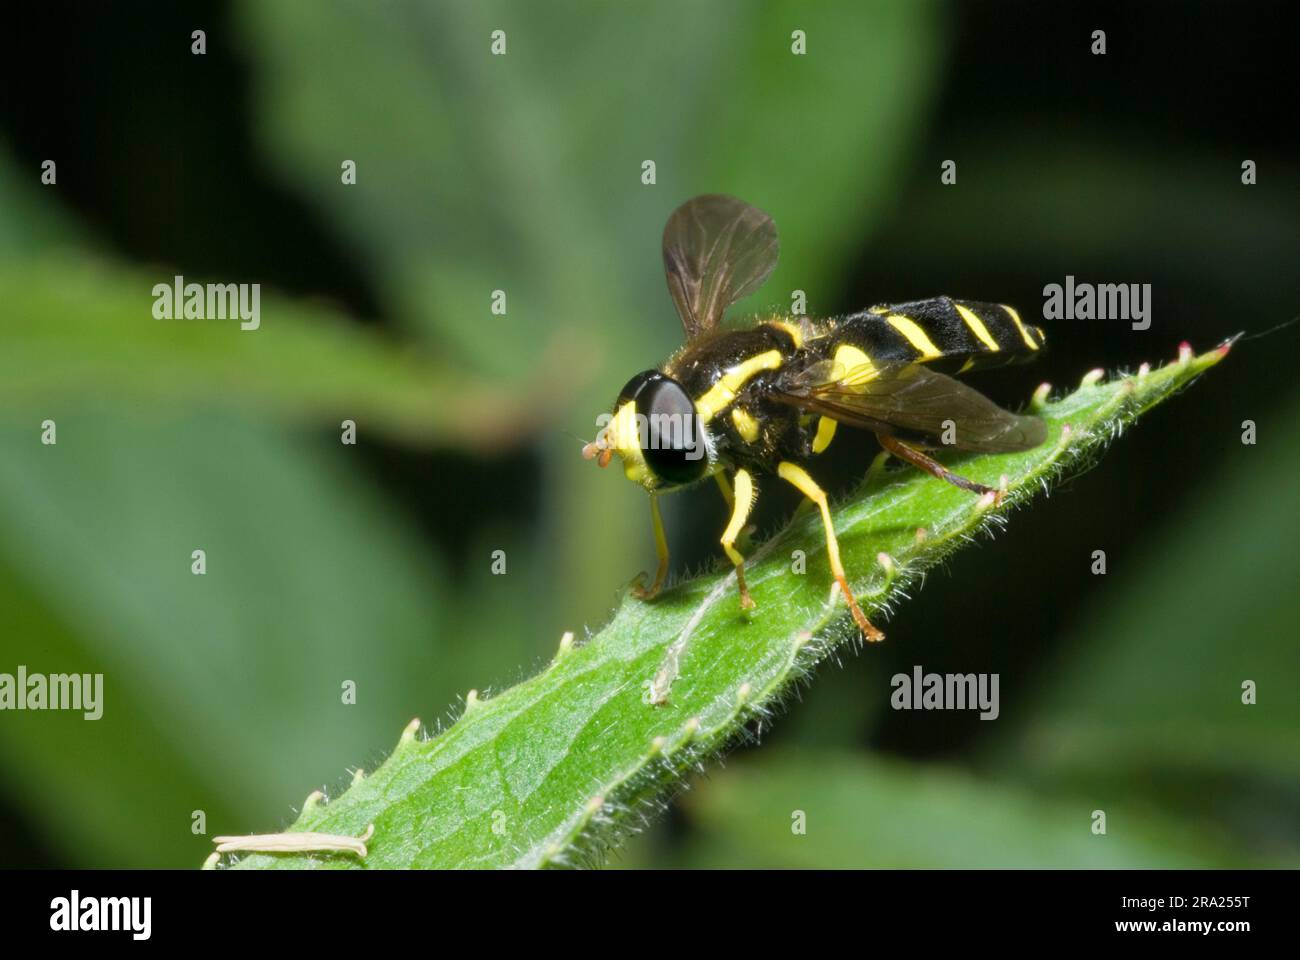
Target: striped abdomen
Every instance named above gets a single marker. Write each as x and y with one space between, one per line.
954 335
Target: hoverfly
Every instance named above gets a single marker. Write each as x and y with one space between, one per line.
768 397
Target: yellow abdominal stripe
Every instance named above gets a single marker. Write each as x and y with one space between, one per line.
1024 333
914 335
976 326
853 365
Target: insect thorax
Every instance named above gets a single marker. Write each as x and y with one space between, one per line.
731 376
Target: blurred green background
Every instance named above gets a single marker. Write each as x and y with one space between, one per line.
371 562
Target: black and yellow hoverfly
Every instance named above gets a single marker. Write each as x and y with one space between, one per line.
767 397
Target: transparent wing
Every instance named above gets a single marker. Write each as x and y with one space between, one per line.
911 402
717 249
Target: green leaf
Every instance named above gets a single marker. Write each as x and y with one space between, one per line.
518 172
1151 680
81 334
30 221
96 540
154 459
877 813
547 772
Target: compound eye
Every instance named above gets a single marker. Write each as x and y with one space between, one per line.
636 385
673 441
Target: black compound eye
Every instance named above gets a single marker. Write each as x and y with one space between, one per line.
672 440
636 385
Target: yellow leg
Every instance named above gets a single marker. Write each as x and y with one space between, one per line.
742 503
661 548
725 487
808 487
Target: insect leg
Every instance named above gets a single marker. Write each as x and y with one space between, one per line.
661 548
919 460
808 487
725 487
743 502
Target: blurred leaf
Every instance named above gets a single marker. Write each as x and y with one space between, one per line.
1124 209
30 221
820 140
884 814
204 711
1152 680
547 770
478 172
222 692
78 333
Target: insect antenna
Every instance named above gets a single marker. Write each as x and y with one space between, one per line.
1255 336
